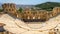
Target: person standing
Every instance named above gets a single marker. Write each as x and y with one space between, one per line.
1 27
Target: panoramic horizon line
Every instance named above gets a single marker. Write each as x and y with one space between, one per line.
29 4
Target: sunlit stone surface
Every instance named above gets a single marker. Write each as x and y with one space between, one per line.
17 26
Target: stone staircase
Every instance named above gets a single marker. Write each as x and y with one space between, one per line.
17 26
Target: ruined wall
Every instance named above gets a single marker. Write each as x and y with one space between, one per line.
9 8
56 11
42 15
29 14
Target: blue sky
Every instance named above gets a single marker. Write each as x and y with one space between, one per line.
27 2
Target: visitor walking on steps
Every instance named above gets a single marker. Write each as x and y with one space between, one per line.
1 27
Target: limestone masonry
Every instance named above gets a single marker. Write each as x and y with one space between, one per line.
29 15
31 18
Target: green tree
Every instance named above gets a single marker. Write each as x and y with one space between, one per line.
48 5
1 10
32 9
20 10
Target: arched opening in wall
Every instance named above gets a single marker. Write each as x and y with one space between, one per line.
12 9
5 12
36 17
9 9
2 6
51 15
32 19
57 10
28 17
